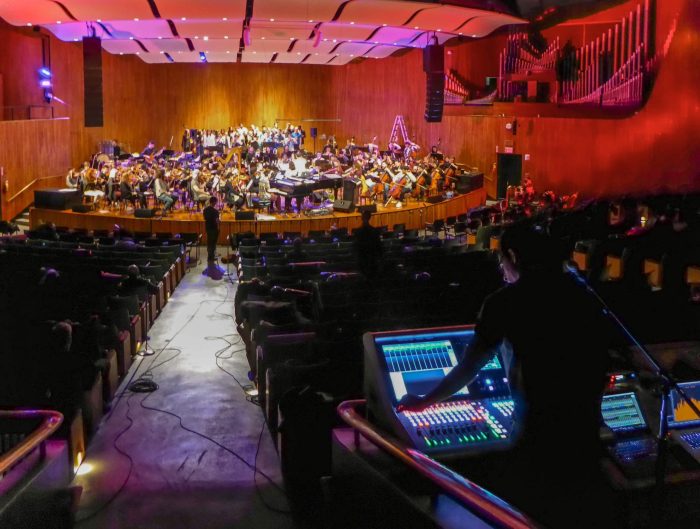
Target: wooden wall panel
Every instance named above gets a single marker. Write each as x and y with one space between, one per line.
32 153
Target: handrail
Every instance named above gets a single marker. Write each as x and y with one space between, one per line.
30 184
483 503
50 423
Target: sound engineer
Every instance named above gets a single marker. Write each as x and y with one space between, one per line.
559 339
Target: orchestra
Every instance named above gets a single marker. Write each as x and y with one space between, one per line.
264 168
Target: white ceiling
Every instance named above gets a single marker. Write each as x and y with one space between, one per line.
332 32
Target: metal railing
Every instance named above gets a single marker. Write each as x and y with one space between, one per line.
50 421
478 500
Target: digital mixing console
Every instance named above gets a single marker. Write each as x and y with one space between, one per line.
479 417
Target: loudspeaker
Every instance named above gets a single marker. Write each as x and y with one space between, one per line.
372 208
314 132
434 97
92 81
435 199
244 215
140 213
434 59
344 206
81 208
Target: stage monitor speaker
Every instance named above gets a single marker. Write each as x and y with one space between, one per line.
435 199
344 206
244 215
434 59
314 132
81 208
372 208
92 81
434 97
140 213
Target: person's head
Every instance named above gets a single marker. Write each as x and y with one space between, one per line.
526 248
133 271
366 216
297 243
213 201
62 336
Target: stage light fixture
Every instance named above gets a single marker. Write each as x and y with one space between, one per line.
44 73
202 56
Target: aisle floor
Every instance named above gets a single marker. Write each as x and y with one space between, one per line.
170 477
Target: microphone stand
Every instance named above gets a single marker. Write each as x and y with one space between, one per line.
667 381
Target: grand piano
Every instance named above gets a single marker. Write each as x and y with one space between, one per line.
302 186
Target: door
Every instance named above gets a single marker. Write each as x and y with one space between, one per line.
509 172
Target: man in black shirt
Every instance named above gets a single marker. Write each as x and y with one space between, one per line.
368 247
559 340
211 225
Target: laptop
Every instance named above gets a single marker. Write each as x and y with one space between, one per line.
683 422
634 447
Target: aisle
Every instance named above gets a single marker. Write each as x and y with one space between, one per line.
176 478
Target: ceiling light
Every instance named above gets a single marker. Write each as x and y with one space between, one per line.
131 38
196 36
162 51
394 43
99 20
351 55
351 23
438 29
376 42
325 40
383 25
225 36
160 38
136 20
138 53
227 51
474 36
254 53
460 33
263 38
415 27
316 53
272 20
225 19
58 22
335 40
298 53
183 18
311 21
121 53
76 40
206 37
29 24
291 38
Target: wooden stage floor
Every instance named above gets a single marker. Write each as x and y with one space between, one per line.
413 215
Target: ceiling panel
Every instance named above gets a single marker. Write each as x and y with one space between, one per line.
353 49
106 10
269 46
260 29
445 18
187 56
321 58
378 12
485 25
219 9
307 46
299 10
400 36
289 58
253 56
143 29
121 46
216 45
30 12
222 56
154 58
213 28
169 45
339 32
381 51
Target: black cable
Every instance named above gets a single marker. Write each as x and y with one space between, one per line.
255 481
128 474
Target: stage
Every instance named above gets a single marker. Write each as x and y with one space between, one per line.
413 214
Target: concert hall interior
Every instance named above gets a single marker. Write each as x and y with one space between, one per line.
349 264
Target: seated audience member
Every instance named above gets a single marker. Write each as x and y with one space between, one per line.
134 281
297 254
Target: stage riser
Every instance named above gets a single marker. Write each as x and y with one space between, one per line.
411 215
